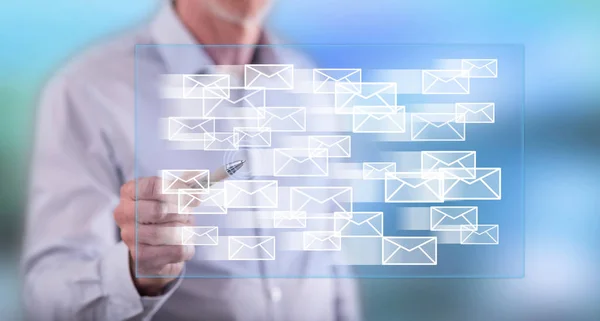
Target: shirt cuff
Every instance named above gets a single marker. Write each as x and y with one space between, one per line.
118 287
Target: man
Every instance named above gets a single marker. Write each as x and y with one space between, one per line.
76 267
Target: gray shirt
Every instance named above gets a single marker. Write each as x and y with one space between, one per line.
75 267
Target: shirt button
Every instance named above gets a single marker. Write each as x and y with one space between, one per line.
276 294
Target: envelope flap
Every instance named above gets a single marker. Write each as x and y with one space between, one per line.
474 107
370 90
253 242
283 112
483 229
480 175
479 63
269 70
337 74
200 231
449 158
436 120
454 212
324 236
205 80
410 244
446 76
191 123
321 199
330 141
380 167
362 218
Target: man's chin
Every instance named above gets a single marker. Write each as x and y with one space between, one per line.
256 19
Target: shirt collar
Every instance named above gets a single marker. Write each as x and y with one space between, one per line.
172 37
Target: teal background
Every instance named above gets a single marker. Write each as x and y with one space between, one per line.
562 134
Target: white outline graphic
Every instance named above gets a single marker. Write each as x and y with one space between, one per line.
282 72
314 164
445 82
180 129
250 106
233 192
220 84
351 95
438 215
243 243
260 138
338 146
397 242
485 184
367 119
200 235
347 223
475 113
289 219
329 238
222 142
480 68
292 120
432 161
200 180
437 130
407 191
211 203
467 235
341 200
320 86
377 170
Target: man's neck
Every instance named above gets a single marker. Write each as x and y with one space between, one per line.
210 29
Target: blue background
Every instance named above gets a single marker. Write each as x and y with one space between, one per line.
562 158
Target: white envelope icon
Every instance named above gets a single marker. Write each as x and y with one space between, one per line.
251 248
441 82
289 219
481 68
222 141
373 94
317 199
324 79
173 181
194 86
379 120
463 161
485 234
253 136
485 185
300 162
242 104
377 170
337 146
200 235
407 187
438 127
409 250
284 119
359 224
475 113
271 77
190 128
212 202
451 218
322 241
251 193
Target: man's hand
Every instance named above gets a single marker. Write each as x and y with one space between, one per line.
158 249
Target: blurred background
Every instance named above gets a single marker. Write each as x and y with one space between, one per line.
562 158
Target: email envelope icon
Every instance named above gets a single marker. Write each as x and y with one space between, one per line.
253 136
481 68
212 202
321 199
359 224
242 104
322 241
300 162
377 170
222 142
379 120
442 82
485 234
289 219
175 180
194 86
412 187
463 161
324 79
437 127
251 194
284 119
409 250
373 94
200 235
337 146
190 129
251 248
485 185
271 77
451 218
475 113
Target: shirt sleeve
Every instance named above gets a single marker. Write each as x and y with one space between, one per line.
74 267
